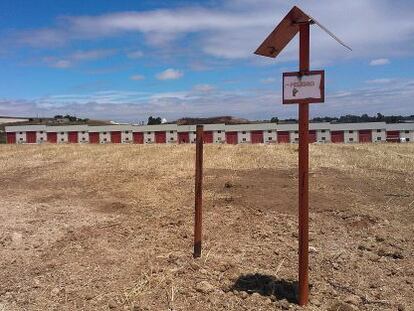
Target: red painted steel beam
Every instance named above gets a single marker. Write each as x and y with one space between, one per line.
303 172
198 220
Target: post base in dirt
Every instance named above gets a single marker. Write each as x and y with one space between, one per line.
198 220
197 250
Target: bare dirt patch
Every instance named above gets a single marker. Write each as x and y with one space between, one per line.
110 228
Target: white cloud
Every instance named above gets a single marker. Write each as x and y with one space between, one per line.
43 37
170 74
137 77
91 54
252 104
235 28
57 63
76 57
268 80
379 62
135 54
380 81
102 97
203 88
394 98
62 63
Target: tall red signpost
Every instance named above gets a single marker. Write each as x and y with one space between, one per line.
303 171
303 87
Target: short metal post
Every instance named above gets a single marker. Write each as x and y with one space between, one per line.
198 192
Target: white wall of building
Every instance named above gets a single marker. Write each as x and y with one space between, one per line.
192 136
323 135
41 137
406 134
83 137
171 136
294 136
351 136
270 136
105 137
127 137
379 136
62 137
149 137
219 136
243 137
20 137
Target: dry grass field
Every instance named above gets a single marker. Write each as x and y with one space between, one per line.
109 227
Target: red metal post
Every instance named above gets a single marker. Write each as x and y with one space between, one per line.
303 172
198 192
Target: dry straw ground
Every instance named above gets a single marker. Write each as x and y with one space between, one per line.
109 227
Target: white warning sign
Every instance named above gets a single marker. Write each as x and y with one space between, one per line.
308 88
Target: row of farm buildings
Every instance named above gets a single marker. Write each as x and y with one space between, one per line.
213 133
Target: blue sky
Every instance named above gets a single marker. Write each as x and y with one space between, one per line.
126 60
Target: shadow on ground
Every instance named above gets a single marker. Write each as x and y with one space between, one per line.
267 285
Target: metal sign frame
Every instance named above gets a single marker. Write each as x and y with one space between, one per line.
307 100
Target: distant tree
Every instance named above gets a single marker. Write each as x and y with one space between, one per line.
58 116
2 137
365 118
393 119
274 120
70 118
350 118
324 119
154 121
380 117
